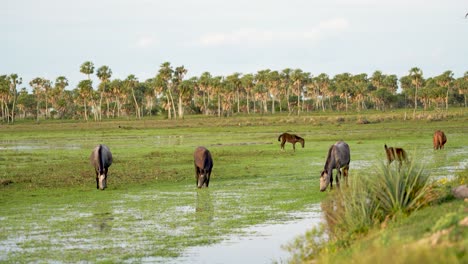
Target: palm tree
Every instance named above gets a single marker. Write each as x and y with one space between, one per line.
260 90
85 91
165 77
361 89
179 75
4 95
445 80
235 81
57 95
416 77
104 74
204 84
323 84
247 82
297 78
41 88
274 81
130 83
87 68
286 85
343 84
14 82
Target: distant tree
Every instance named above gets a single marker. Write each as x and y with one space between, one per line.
461 84
14 82
104 73
343 84
417 81
85 91
58 99
247 82
286 86
130 83
4 96
41 89
204 84
298 78
178 77
445 80
164 77
87 68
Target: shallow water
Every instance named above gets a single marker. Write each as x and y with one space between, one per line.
255 244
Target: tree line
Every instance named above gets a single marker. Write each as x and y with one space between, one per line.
268 91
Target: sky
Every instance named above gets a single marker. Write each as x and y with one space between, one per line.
51 38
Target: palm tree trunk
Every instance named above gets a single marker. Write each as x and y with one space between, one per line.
181 108
137 108
85 110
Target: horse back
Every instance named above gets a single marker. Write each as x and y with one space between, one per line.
340 153
202 158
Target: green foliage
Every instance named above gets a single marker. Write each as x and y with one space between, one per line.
401 191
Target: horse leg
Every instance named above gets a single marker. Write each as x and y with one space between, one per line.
97 179
294 146
345 174
338 176
282 144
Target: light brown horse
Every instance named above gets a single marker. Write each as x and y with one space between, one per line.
439 139
291 138
398 154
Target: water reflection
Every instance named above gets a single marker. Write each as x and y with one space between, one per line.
103 221
204 207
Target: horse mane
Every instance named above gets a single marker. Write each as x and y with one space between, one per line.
328 157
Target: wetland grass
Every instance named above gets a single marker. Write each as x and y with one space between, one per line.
52 212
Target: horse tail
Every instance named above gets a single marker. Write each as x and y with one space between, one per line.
101 159
279 138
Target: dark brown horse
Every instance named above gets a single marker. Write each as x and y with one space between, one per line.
398 154
291 138
439 139
203 166
339 156
101 159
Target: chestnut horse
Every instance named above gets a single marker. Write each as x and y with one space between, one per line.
439 139
203 166
338 157
398 154
291 138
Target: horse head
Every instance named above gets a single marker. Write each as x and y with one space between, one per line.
324 180
102 181
302 142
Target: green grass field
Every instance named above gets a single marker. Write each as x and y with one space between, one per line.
50 209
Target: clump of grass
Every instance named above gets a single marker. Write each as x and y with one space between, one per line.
401 191
369 202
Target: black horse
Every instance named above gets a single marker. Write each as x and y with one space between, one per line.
101 159
338 157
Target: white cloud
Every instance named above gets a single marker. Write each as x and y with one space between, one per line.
254 36
146 41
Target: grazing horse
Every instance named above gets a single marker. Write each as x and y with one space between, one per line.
101 159
338 157
291 138
439 139
203 166
398 154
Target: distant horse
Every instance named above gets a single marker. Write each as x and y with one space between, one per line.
203 165
439 139
398 154
101 159
338 157
291 138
